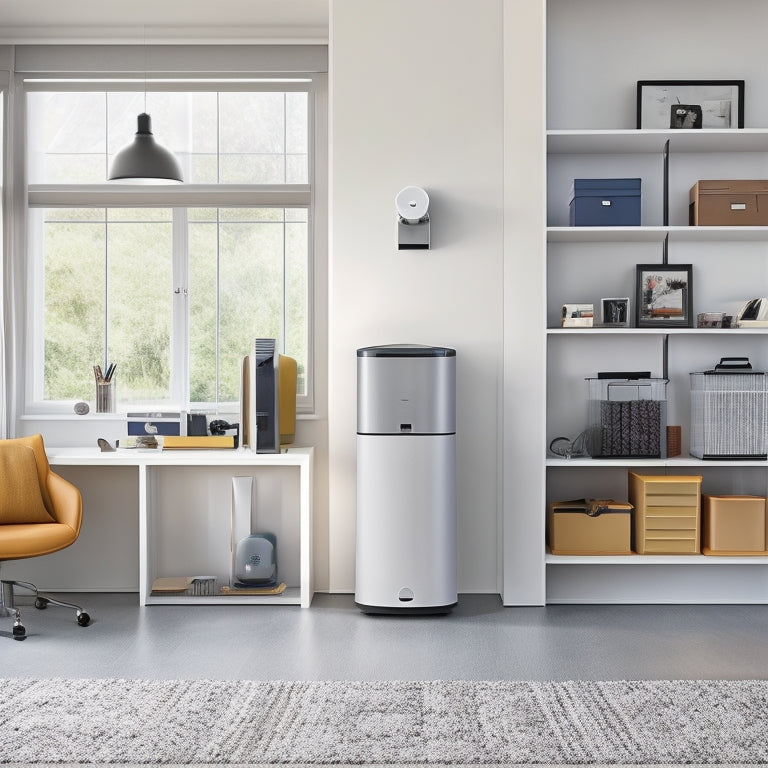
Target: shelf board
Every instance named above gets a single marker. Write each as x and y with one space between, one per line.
670 463
291 596
708 560
598 330
656 234
606 234
587 461
631 141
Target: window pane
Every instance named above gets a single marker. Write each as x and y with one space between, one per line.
252 138
67 137
203 308
297 138
107 280
250 290
74 298
296 298
139 306
240 266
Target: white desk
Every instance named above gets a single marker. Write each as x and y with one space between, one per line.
184 514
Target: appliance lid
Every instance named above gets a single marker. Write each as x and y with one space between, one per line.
406 350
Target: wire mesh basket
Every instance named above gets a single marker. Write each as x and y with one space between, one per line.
729 417
627 417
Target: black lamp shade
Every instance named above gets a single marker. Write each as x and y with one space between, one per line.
144 161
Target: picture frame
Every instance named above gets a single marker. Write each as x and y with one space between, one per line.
577 316
664 296
705 104
614 313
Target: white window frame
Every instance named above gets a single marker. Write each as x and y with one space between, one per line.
312 196
4 248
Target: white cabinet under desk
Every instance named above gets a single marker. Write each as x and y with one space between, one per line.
184 514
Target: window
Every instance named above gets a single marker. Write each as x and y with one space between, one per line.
171 283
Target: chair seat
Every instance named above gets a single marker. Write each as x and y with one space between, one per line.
33 539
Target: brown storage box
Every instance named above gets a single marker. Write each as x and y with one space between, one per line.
589 527
667 513
733 525
727 203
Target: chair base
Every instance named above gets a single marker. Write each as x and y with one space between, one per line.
8 605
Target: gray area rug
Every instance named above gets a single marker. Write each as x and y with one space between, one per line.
385 723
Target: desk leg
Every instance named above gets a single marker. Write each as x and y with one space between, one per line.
144 559
305 506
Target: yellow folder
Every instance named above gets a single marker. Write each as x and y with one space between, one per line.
172 442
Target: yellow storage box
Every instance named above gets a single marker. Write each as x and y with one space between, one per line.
733 525
589 527
667 513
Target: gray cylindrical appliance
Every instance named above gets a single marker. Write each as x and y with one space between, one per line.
406 479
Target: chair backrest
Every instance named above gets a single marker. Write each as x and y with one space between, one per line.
17 466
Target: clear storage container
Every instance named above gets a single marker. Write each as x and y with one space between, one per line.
627 417
729 419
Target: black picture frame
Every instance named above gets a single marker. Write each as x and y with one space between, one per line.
664 296
705 104
614 312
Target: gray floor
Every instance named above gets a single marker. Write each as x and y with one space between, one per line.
332 640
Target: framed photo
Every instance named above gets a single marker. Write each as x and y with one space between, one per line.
664 296
614 312
690 104
577 315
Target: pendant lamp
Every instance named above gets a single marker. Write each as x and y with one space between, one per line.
144 161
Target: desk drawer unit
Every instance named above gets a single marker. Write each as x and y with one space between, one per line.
667 513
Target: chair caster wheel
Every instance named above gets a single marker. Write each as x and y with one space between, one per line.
83 619
41 603
19 633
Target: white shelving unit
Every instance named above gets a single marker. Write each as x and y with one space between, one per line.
585 264
182 503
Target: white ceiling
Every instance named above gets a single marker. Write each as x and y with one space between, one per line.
161 21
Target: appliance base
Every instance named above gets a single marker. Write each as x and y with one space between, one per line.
398 610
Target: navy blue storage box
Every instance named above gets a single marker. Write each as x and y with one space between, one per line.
605 203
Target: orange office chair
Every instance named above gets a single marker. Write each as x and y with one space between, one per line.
40 513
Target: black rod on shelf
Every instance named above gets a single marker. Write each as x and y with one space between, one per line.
665 357
665 203
665 250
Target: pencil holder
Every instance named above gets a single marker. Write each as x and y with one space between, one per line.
105 396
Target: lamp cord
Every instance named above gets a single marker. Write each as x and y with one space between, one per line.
144 32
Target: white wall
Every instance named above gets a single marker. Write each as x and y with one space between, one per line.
416 91
699 40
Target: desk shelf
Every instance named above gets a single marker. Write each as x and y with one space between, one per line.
291 596
184 513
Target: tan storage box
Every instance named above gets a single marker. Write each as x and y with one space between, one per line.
733 525
729 203
590 527
667 513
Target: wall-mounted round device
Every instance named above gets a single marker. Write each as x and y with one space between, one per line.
412 204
